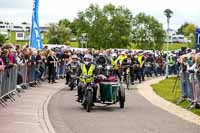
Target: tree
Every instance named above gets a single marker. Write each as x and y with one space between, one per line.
189 29
2 39
109 27
58 34
65 22
189 32
147 32
180 30
74 26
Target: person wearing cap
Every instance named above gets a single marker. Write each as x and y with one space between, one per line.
87 68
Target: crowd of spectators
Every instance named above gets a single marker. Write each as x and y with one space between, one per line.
50 63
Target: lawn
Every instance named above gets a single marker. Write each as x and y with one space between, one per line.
164 89
74 44
174 46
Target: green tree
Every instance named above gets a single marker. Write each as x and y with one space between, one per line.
58 34
180 30
189 29
189 32
74 26
109 27
65 22
2 39
147 32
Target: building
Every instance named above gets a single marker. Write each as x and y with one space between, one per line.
21 31
173 37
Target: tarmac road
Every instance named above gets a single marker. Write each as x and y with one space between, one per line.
138 116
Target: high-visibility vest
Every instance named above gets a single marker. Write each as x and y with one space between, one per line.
171 61
89 72
140 59
114 64
120 59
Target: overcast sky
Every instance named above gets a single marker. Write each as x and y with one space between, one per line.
19 11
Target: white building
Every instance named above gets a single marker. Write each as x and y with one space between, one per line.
173 37
20 29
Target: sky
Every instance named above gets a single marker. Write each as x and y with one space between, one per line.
18 11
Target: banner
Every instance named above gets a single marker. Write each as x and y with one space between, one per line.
197 37
35 40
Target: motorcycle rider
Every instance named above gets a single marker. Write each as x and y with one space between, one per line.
87 68
73 62
119 60
141 60
129 61
115 65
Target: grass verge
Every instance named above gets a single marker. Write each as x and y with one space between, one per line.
74 44
164 89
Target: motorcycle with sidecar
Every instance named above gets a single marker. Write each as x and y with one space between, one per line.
110 90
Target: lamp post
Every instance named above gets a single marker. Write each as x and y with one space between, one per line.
168 13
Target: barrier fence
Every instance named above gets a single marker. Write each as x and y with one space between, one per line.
21 76
8 82
190 83
11 77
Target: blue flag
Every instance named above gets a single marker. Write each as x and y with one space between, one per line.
35 40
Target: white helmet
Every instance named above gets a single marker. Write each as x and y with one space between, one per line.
114 55
87 56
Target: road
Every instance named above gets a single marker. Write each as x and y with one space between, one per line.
138 116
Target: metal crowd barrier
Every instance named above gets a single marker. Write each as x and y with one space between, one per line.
22 69
8 82
9 78
192 81
30 73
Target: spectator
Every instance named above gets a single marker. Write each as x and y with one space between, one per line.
51 61
11 55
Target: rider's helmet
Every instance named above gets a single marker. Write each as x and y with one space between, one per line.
87 58
114 56
129 55
75 57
